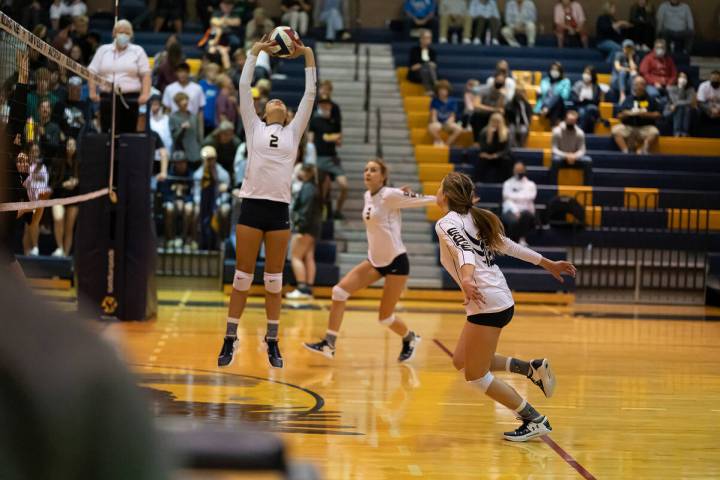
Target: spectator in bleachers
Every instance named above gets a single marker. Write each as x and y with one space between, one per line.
172 11
36 185
639 114
165 71
185 127
73 114
58 8
471 97
306 216
519 115
658 69
682 103
211 197
235 71
454 14
490 100
227 18
61 40
296 14
642 19
257 27
423 66
569 18
485 21
178 202
160 122
42 92
420 15
331 13
676 25
79 35
625 68
76 54
64 183
555 90
443 111
49 133
494 161
502 66
225 143
327 136
210 91
610 31
568 148
78 8
586 98
325 90
518 206
520 17
709 100
226 105
193 91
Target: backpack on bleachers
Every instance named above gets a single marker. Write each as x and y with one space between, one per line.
564 211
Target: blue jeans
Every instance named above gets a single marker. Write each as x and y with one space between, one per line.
622 81
609 48
588 115
333 23
681 119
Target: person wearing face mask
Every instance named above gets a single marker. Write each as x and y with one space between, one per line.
682 103
658 69
625 68
422 61
555 90
568 148
639 115
509 86
518 206
126 65
676 25
569 18
491 99
709 100
586 98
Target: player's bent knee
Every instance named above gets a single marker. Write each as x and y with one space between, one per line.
273 282
339 294
483 383
242 281
387 321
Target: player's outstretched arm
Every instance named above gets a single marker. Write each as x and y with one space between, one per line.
556 268
305 109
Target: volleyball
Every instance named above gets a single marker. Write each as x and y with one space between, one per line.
286 39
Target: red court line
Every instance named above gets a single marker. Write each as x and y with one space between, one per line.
548 441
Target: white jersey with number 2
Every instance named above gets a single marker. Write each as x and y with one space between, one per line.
383 222
459 245
271 149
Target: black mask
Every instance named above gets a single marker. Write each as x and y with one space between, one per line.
715 85
499 85
520 175
570 126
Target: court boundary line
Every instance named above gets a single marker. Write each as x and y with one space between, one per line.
546 439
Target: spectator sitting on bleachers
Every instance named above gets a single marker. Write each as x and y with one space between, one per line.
625 68
490 99
160 122
330 13
185 128
610 31
568 148
172 11
676 25
193 91
494 161
178 202
42 92
327 136
443 110
639 114
226 104
658 69
520 17
228 19
422 61
79 35
419 15
73 113
642 19
486 21
211 196
164 73
519 116
569 18
296 14
257 27
225 143
325 90
518 206
504 67
555 90
471 97
210 90
682 103
49 133
586 99
62 40
454 14
709 99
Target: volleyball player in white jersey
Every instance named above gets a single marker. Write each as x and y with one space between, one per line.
387 258
469 240
272 146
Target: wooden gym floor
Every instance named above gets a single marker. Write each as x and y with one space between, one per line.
638 388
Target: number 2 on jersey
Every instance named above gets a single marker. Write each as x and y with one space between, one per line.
274 141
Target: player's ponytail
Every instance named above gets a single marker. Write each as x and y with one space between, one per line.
459 191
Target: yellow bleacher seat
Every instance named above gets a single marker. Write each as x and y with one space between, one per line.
420 136
417 103
636 197
684 219
604 78
401 73
706 147
433 213
428 172
570 176
431 154
418 119
581 193
430 188
408 89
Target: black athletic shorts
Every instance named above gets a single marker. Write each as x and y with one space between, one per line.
495 319
265 215
399 266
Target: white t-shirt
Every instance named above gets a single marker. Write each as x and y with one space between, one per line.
459 245
272 149
161 126
519 195
194 91
58 10
124 67
383 222
78 9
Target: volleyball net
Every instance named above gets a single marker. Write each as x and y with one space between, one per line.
44 114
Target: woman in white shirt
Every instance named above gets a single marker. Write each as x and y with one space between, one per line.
469 240
272 147
387 258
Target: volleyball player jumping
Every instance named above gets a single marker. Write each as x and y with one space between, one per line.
387 258
469 240
272 146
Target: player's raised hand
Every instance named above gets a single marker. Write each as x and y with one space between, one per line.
265 44
299 48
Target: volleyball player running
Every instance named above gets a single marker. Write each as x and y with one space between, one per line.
272 145
387 258
469 240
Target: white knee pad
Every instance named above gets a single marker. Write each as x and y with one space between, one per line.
388 321
273 282
483 383
242 281
339 295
